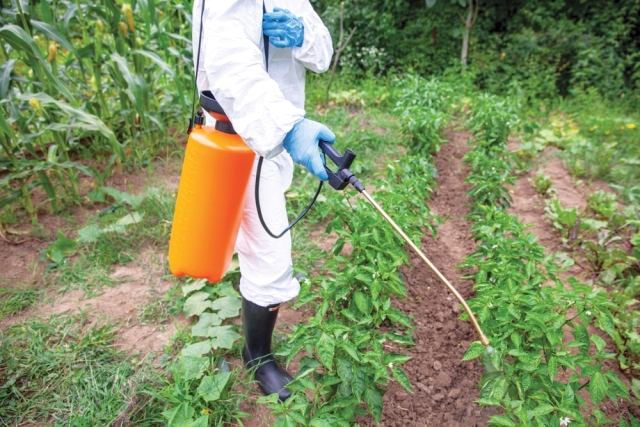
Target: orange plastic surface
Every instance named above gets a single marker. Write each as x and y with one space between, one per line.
215 174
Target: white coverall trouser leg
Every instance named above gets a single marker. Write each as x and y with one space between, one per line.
266 267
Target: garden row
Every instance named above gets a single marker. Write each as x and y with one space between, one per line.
546 368
604 241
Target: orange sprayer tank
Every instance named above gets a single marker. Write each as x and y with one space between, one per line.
215 174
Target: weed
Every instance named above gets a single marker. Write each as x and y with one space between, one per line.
64 372
14 300
155 311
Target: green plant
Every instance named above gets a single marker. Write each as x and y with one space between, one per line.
14 300
488 177
566 221
422 108
64 370
543 184
603 241
527 311
66 68
202 392
345 363
527 322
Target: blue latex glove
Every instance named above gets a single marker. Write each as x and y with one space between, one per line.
302 144
283 28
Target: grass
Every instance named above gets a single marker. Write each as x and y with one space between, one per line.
68 372
14 300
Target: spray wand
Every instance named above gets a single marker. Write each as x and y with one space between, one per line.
342 177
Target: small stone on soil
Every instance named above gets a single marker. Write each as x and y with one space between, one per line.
454 393
437 365
443 380
401 395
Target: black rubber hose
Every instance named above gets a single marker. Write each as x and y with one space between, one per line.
295 221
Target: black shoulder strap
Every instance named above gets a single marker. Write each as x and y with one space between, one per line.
195 82
265 39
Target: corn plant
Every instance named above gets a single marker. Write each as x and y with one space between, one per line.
81 78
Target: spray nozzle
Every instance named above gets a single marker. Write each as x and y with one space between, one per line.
343 176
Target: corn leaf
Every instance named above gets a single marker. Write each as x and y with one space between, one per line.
156 58
4 127
81 116
5 77
53 34
21 41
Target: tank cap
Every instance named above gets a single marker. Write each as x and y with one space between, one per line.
209 104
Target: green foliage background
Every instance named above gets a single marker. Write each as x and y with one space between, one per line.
542 47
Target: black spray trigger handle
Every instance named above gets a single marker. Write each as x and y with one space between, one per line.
341 161
342 176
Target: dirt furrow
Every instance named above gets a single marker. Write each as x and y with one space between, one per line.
444 386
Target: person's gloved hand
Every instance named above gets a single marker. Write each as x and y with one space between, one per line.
302 144
283 28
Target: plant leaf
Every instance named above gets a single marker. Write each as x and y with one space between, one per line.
5 78
402 379
195 286
192 367
374 403
598 388
212 387
223 336
501 420
205 324
475 349
197 349
89 234
196 304
179 415
227 306
326 348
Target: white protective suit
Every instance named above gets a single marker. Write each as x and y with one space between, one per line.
262 108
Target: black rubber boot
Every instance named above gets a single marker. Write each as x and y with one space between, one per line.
257 324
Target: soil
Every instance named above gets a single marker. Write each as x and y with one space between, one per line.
139 281
444 386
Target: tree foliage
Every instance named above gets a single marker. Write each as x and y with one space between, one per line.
542 46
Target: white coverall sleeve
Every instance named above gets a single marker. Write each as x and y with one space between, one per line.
234 64
317 49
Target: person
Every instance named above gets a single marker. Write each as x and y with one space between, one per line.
266 110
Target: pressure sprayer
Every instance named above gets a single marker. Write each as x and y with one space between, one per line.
215 176
210 202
